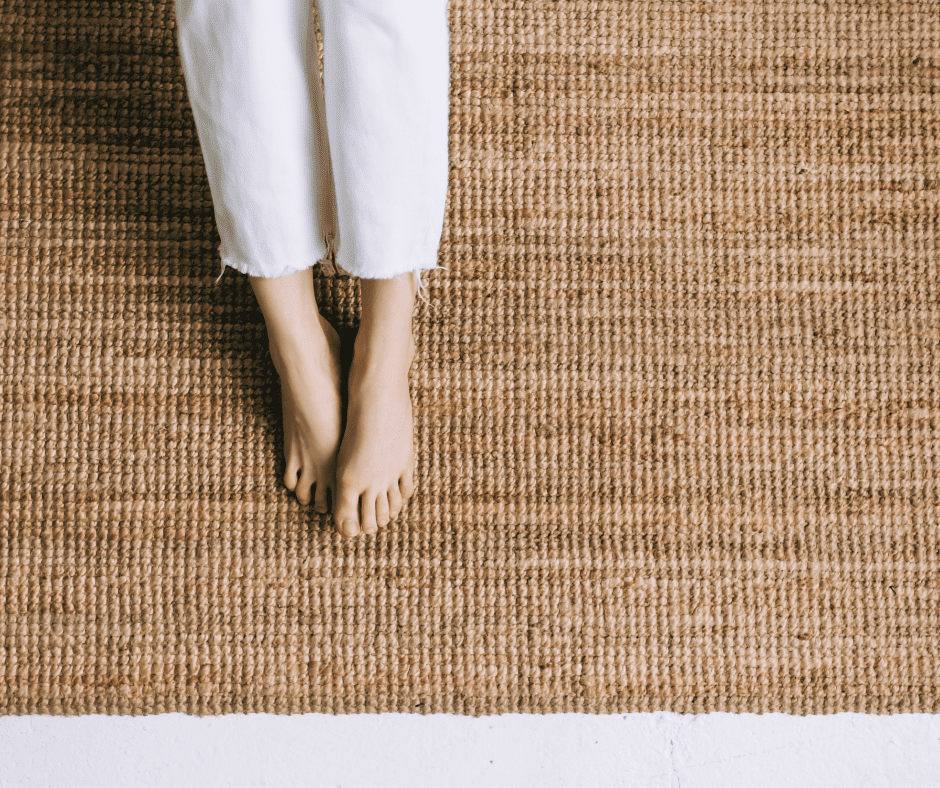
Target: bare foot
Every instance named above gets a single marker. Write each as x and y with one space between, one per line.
305 350
375 463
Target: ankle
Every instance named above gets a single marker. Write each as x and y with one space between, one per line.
292 345
382 348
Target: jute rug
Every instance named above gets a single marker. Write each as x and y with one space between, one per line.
676 396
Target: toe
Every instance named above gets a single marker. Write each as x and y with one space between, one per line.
306 482
290 474
320 501
381 509
407 484
394 501
369 524
346 510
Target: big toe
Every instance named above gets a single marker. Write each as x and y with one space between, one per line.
346 511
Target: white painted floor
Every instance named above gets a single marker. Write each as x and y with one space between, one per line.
659 749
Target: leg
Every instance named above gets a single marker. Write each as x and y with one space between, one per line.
305 350
252 79
387 100
375 464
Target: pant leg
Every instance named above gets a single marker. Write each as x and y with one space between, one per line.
358 176
387 84
247 65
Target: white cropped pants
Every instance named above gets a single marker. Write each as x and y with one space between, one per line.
354 175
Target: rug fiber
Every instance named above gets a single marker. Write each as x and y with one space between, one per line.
676 396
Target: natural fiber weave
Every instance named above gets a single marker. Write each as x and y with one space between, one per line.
677 397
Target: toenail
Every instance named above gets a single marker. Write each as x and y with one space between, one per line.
349 528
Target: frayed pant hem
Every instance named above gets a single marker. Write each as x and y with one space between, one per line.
250 269
329 265
391 275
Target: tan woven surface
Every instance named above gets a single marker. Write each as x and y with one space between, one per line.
677 401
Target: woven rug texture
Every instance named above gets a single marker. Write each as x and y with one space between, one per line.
676 396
